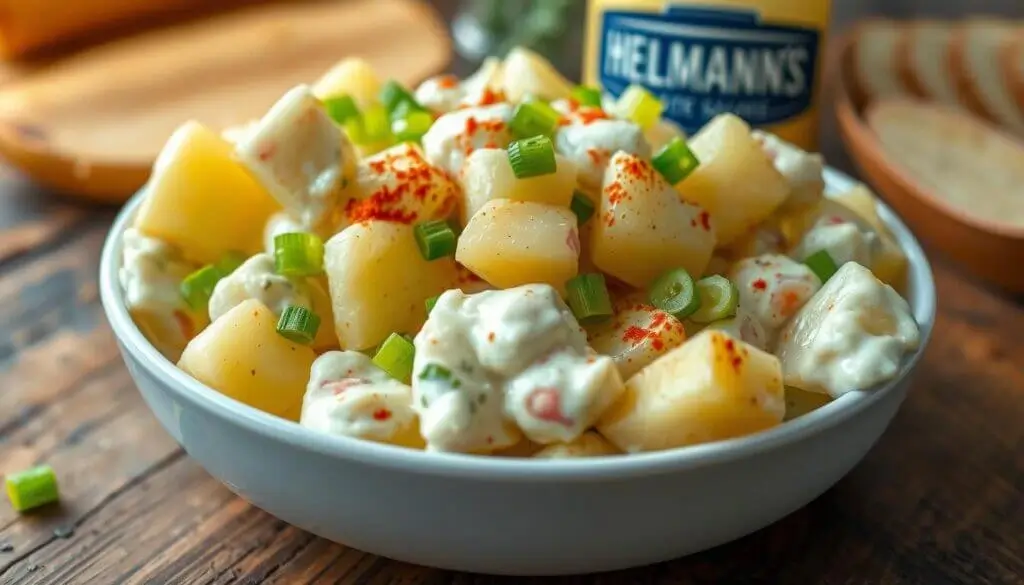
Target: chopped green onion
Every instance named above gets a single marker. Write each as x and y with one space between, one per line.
588 298
822 264
197 288
675 292
639 105
532 157
393 96
412 126
718 299
582 206
439 373
586 95
429 303
298 254
534 118
395 357
436 239
341 108
675 161
229 263
298 324
32 488
373 127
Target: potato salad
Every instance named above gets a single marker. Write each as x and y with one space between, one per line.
511 265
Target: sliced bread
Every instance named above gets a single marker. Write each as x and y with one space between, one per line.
981 85
1012 61
874 69
964 161
923 61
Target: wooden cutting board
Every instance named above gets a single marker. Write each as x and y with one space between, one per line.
91 124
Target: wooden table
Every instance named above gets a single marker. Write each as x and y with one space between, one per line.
940 499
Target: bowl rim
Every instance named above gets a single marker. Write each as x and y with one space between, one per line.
185 388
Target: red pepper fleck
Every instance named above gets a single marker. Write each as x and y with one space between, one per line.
447 81
589 114
705 220
730 346
635 334
572 240
658 344
339 386
490 337
760 284
836 220
490 97
381 414
185 324
545 404
266 151
597 156
378 166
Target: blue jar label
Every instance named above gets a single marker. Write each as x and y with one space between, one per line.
705 61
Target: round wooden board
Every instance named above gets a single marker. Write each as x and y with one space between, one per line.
92 124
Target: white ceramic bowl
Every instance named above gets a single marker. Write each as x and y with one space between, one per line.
507 516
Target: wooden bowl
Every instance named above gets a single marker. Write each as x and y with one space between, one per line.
988 250
91 124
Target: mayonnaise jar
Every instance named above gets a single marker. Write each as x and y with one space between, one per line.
758 59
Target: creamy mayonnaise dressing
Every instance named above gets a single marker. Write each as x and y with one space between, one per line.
773 288
844 241
440 94
591 146
256 279
455 135
850 336
804 171
348 395
280 223
518 360
745 327
300 155
151 275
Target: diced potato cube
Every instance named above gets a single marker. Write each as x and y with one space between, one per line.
642 228
637 335
510 243
488 175
201 200
242 356
527 73
378 281
399 184
589 444
300 155
735 181
890 263
353 77
711 388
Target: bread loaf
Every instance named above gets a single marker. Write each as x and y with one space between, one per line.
980 81
967 163
873 61
923 60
